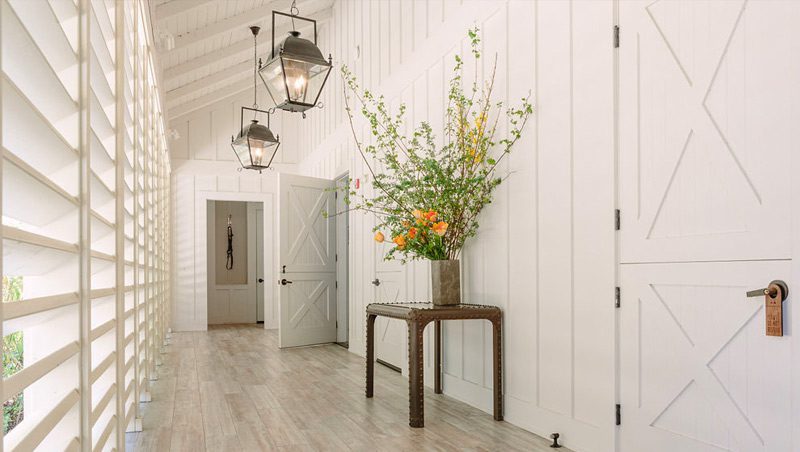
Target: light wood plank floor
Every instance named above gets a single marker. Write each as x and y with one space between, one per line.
231 388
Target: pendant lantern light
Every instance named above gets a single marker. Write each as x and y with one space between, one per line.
255 146
297 71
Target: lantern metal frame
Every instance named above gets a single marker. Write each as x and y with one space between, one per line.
267 137
289 104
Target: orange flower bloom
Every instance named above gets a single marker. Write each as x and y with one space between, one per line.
412 233
440 228
400 241
431 215
417 214
379 237
406 224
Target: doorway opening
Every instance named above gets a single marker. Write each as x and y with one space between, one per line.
235 241
342 259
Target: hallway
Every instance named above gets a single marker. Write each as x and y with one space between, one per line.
232 389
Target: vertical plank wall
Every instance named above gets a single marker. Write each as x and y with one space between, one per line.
193 183
545 250
204 163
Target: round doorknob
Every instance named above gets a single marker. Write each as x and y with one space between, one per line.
260 279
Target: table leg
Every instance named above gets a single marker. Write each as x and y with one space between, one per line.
416 390
497 346
370 352
437 363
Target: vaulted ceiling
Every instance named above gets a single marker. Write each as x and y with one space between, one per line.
206 47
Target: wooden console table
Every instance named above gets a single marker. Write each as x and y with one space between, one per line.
417 316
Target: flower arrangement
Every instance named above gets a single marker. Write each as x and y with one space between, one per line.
428 193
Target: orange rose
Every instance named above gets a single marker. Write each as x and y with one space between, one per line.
440 228
379 237
412 233
400 241
431 215
417 214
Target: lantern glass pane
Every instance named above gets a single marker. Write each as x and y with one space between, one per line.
259 151
242 151
272 75
304 80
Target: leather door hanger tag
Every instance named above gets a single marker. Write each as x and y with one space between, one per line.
773 309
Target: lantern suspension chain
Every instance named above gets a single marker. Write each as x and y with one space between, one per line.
294 11
255 71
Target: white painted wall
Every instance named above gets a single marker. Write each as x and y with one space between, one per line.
545 250
205 134
205 168
193 184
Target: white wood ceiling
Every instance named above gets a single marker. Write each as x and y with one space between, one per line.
212 57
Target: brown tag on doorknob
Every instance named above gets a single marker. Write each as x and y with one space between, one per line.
774 312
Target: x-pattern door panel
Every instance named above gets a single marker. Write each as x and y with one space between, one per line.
308 266
698 372
705 128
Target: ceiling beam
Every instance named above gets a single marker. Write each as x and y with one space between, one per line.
173 8
216 77
257 16
208 58
236 48
210 98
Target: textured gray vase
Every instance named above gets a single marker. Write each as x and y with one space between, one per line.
446 282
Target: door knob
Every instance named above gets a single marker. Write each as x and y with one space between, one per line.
285 281
771 290
376 282
260 279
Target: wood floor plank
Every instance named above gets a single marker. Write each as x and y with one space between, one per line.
232 389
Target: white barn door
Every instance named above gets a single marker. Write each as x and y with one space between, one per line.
709 104
307 271
390 287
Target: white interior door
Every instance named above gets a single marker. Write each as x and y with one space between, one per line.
390 287
307 261
707 133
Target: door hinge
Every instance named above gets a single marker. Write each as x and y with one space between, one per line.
336 284
616 36
335 194
618 414
617 297
617 220
336 257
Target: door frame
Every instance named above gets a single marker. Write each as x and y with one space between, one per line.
342 264
201 253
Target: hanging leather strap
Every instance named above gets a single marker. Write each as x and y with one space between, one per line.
229 261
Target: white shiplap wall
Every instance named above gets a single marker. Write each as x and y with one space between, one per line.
193 183
205 167
545 252
205 133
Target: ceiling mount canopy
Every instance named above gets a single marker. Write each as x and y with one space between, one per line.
256 145
297 70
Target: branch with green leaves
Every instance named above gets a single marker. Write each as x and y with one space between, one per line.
428 193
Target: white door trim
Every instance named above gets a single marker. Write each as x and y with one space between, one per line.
201 252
